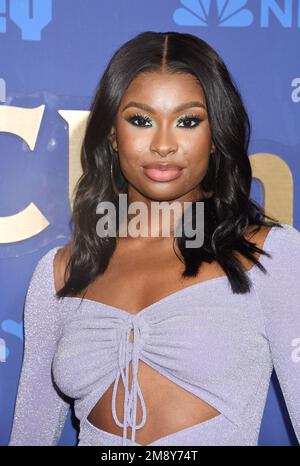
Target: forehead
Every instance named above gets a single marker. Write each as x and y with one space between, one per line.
149 87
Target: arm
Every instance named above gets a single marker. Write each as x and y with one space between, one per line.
40 410
279 295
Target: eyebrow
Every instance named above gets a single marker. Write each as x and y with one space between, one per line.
147 108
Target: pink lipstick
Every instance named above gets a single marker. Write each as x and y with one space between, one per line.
162 172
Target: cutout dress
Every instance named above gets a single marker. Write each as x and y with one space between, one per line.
217 345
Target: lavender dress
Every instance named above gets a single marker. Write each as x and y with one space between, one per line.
218 346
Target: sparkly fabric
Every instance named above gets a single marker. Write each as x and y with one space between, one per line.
216 345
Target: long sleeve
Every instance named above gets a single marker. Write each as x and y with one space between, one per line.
40 410
279 295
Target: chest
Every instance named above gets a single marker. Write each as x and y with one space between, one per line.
202 334
136 280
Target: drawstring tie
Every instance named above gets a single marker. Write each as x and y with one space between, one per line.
130 400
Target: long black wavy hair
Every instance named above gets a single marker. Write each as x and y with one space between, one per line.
228 212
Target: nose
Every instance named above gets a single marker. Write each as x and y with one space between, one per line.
164 142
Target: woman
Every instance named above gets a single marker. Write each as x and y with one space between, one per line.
159 343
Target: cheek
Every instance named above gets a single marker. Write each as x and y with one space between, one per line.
133 152
197 151
198 140
131 162
133 143
198 168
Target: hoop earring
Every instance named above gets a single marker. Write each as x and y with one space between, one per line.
115 189
112 178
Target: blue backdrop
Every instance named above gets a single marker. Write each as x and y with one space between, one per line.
52 54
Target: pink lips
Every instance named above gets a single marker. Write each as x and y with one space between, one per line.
162 173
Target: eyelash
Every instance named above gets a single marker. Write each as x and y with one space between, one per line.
180 120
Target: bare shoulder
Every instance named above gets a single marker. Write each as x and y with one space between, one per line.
60 262
257 235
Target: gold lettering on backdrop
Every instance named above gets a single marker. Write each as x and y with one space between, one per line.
272 171
25 123
277 180
76 120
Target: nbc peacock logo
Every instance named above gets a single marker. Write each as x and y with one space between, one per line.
224 13
233 13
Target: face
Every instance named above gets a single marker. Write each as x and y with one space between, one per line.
149 128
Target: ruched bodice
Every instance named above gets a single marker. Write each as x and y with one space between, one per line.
217 345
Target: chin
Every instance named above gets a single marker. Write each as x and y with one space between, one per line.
163 196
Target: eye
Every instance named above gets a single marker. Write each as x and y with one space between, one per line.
188 119
142 119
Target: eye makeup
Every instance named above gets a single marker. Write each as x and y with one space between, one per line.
146 119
